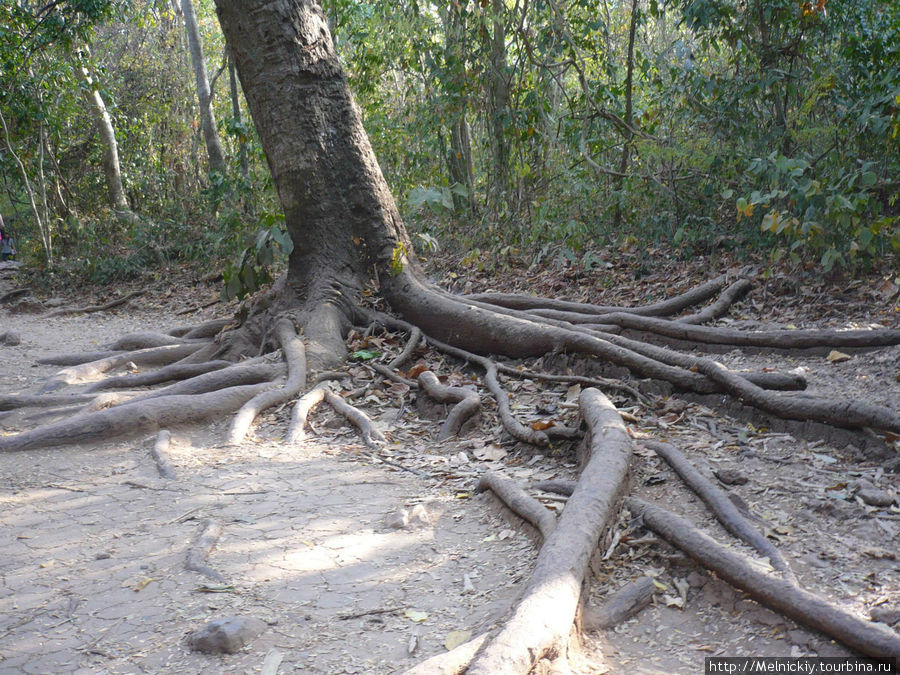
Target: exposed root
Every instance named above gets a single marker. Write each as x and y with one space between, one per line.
370 435
159 452
768 339
722 507
668 307
722 304
415 337
155 356
559 487
467 402
295 355
519 502
175 371
604 383
847 413
198 555
778 594
133 418
453 662
207 329
93 308
304 406
75 359
543 617
619 606
15 401
145 340
248 372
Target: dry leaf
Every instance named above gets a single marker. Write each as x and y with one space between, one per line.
573 393
455 638
835 356
415 616
506 534
490 453
416 370
673 601
541 425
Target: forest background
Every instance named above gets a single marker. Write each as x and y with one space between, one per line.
508 130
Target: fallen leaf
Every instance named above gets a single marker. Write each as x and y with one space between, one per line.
366 354
143 583
455 638
490 453
415 616
416 370
835 356
542 425
673 601
506 534
398 389
573 393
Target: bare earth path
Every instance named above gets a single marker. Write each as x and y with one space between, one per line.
92 572
94 542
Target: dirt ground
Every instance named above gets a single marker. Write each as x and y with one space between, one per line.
94 542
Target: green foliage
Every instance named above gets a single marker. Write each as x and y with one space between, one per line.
253 268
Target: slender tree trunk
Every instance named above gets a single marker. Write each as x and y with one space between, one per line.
207 117
498 101
460 163
238 117
629 114
111 169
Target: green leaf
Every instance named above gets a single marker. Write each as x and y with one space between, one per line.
869 178
366 354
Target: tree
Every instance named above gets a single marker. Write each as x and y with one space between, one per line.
204 95
349 241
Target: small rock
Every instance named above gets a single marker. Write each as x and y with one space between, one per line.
875 497
731 476
697 580
886 614
419 516
10 339
226 636
397 520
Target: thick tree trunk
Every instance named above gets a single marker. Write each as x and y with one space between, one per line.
207 117
498 101
462 171
338 208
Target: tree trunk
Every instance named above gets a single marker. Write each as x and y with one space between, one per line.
629 115
238 117
460 163
498 101
108 138
207 117
338 208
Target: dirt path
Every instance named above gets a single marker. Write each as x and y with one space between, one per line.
93 579
94 542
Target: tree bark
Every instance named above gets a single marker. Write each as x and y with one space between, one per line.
204 95
338 208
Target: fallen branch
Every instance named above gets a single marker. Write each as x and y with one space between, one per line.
93 308
467 402
198 555
722 507
871 639
543 617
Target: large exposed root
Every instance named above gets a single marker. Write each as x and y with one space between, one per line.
133 418
153 356
780 595
543 617
519 502
175 371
